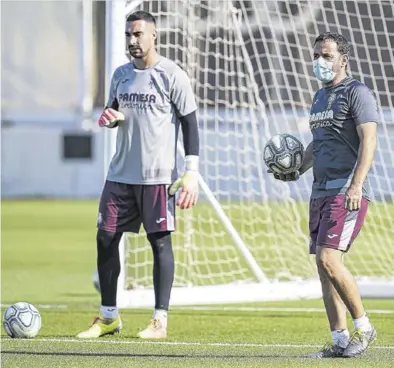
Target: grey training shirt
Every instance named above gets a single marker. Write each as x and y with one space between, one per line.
151 100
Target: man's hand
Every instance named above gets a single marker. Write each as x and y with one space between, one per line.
188 183
285 177
353 197
110 118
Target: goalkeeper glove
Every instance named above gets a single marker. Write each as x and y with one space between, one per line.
294 176
110 118
188 183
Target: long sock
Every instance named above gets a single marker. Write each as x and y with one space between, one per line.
163 268
108 265
340 337
362 323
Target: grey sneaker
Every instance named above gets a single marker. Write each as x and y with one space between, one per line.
359 342
329 350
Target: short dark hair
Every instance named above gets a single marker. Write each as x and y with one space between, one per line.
342 43
141 15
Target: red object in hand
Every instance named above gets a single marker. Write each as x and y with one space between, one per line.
110 118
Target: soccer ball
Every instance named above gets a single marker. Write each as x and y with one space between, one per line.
96 280
22 321
283 154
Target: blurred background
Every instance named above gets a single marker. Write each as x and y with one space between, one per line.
53 77
250 63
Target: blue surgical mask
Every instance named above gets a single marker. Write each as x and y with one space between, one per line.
323 70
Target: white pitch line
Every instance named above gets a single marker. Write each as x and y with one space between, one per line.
224 309
184 343
272 309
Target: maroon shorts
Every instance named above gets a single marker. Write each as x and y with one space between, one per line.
124 207
333 226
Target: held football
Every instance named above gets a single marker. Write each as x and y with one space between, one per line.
283 154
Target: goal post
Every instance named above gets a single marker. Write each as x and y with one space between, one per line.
115 56
250 67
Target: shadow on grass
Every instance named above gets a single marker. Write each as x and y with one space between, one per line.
149 355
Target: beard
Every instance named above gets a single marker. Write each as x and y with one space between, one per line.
136 52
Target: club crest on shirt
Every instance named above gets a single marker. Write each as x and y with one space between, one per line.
331 99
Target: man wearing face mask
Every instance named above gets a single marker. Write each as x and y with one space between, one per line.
149 98
343 121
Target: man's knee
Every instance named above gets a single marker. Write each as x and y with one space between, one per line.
328 261
106 239
160 241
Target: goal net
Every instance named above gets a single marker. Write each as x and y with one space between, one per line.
251 69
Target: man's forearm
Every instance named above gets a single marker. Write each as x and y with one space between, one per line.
191 140
366 154
308 159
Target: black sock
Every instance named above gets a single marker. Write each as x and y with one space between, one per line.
108 265
163 267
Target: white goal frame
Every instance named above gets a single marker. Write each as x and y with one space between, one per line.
261 290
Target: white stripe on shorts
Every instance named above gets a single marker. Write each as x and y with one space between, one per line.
170 216
347 232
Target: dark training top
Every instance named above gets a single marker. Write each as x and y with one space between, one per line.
335 114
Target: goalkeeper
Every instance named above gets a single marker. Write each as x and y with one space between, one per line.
343 121
148 100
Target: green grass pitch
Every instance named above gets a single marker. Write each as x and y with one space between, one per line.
48 257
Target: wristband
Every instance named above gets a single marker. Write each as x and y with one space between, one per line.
191 163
